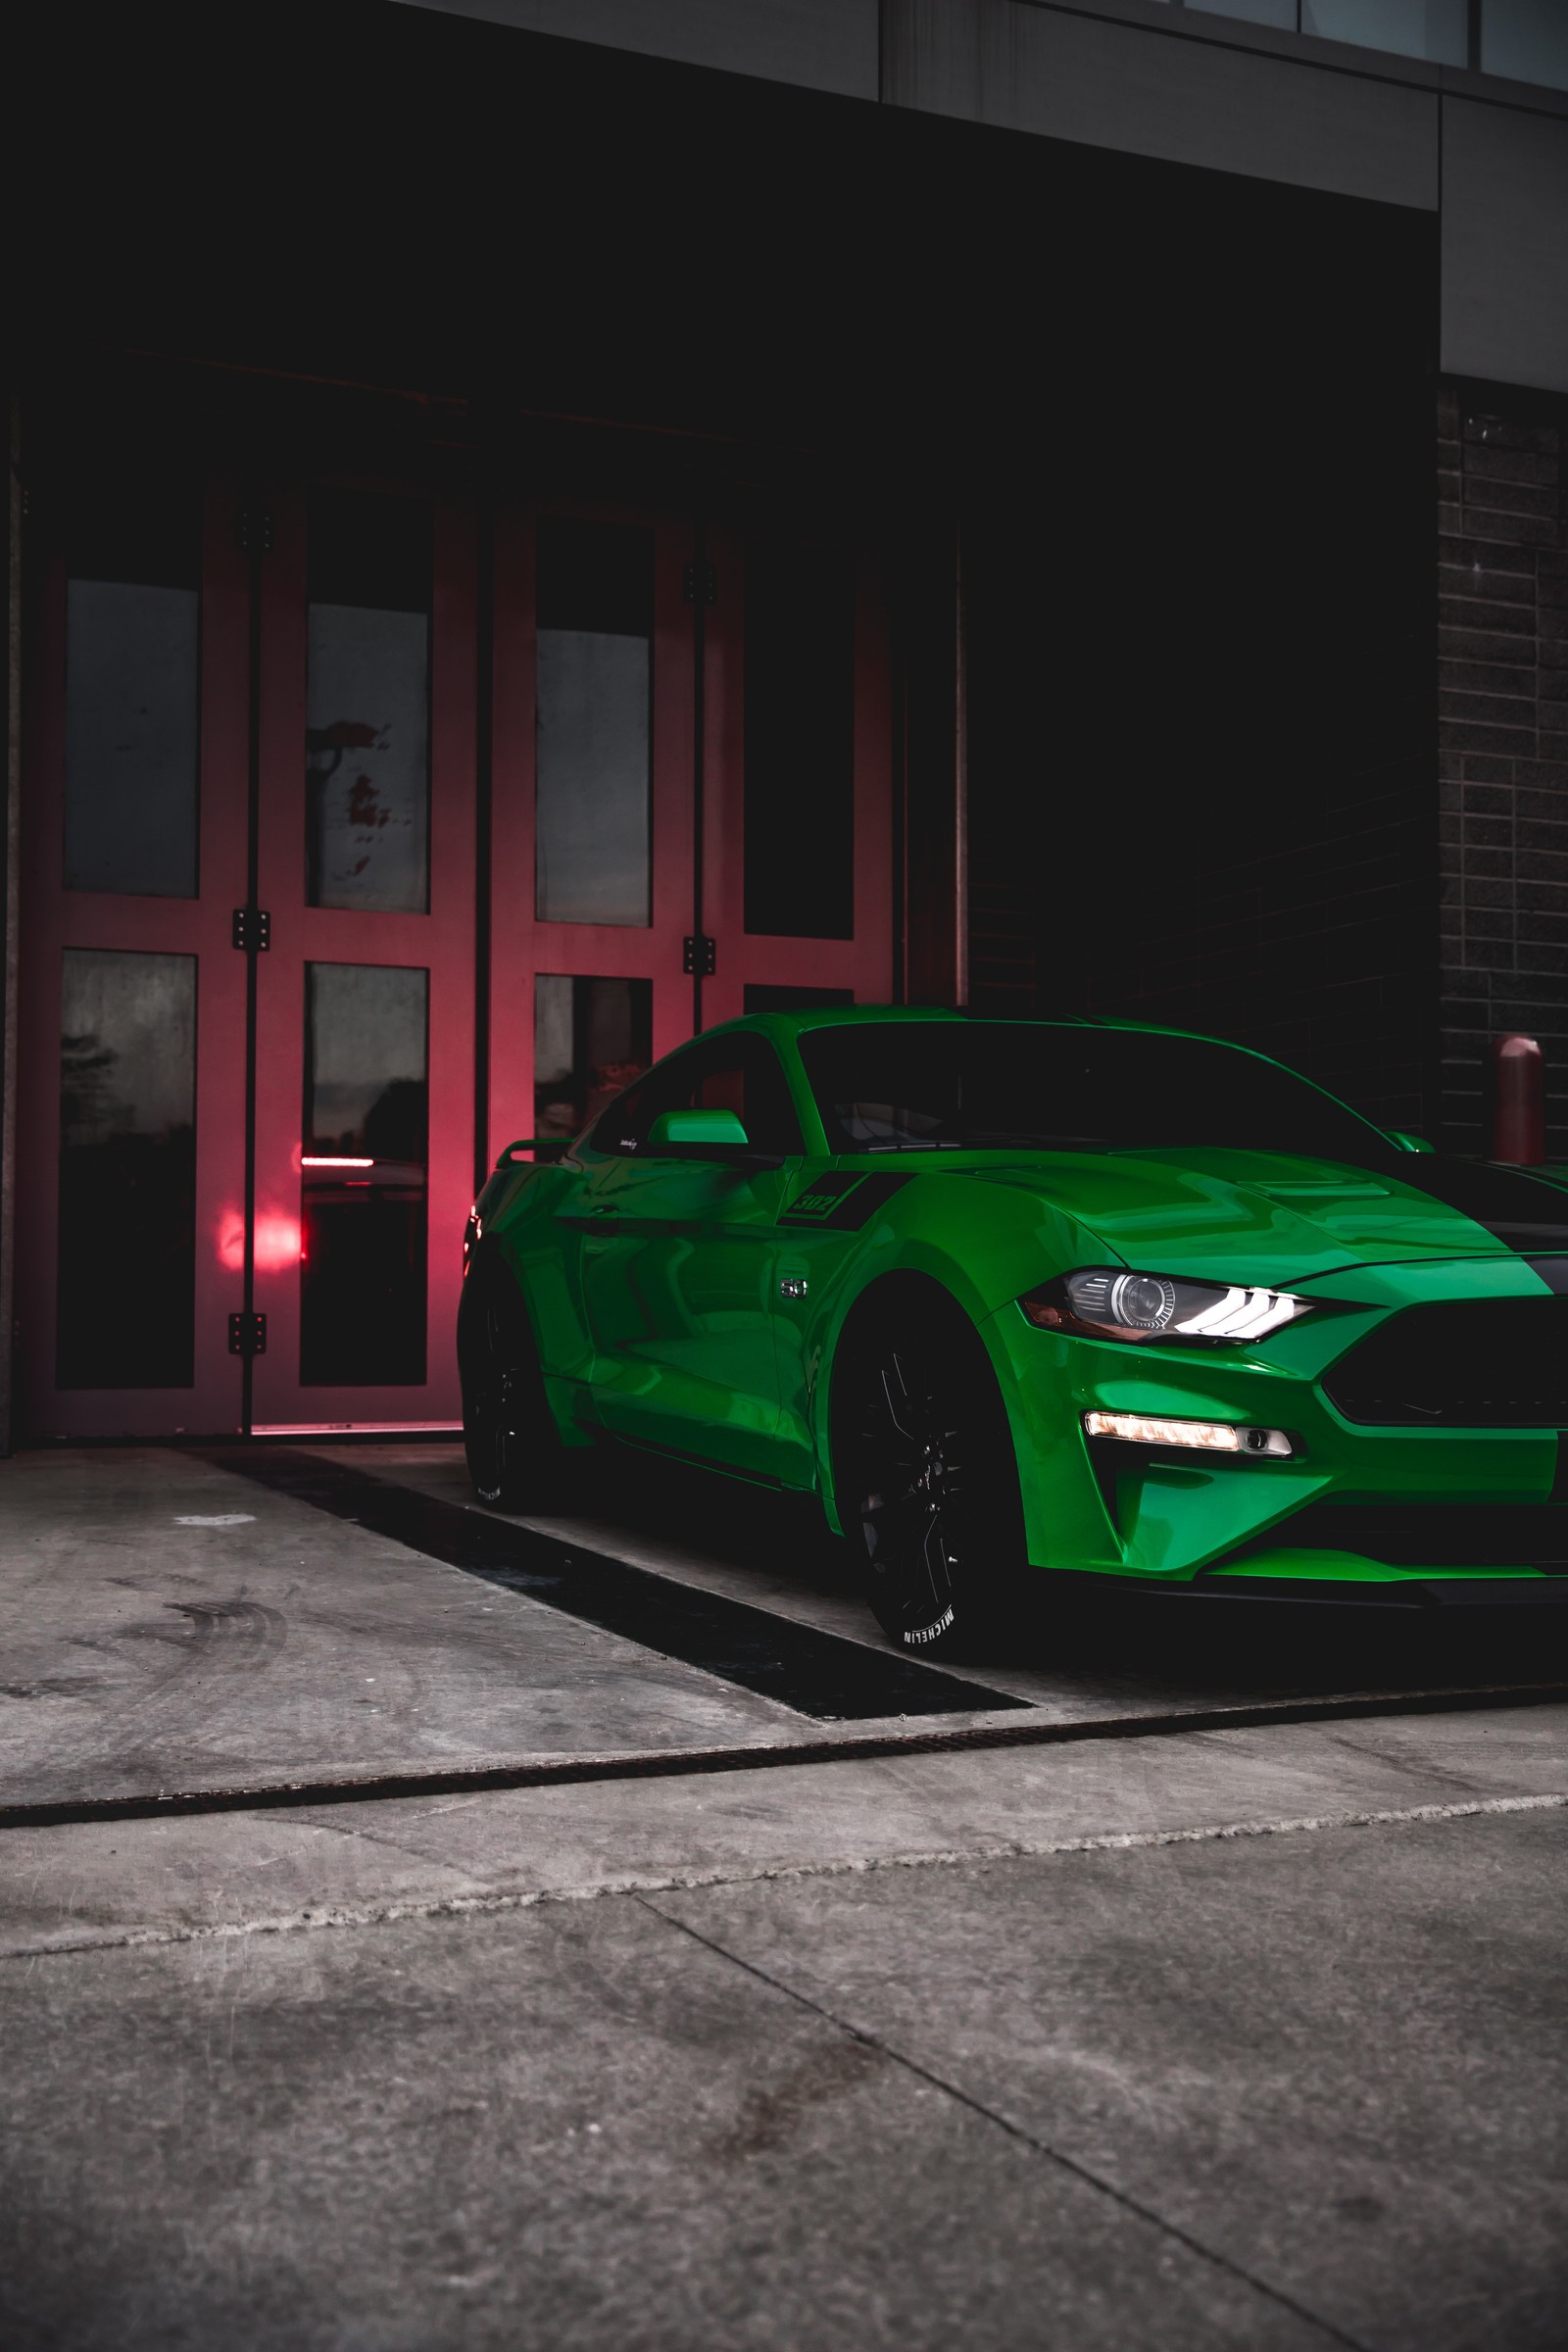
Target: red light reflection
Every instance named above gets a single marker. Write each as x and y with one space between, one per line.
277 1241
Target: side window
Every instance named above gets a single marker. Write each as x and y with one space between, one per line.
741 1074
750 1082
622 1127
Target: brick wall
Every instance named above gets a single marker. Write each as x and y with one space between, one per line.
1502 760
1320 905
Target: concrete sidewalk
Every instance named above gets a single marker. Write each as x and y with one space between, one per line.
165 1624
239 1874
1166 2084
1248 2037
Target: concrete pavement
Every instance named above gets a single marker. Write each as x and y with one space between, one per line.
165 1624
1228 2037
91 1882
1294 2089
168 1625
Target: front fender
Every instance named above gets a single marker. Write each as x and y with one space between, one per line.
983 1245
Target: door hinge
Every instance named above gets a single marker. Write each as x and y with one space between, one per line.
253 929
702 582
246 1335
256 528
699 955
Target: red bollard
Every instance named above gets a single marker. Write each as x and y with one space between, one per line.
1518 1101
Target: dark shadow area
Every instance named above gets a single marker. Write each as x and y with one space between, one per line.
1174 430
1141 1644
817 1673
1149 1649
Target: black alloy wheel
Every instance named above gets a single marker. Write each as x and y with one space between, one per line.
934 1484
516 1462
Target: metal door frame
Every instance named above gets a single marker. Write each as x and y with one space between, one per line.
55 919
698 842
439 942
521 946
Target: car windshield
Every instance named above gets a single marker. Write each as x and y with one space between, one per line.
909 1086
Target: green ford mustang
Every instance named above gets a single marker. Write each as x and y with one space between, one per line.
1018 1297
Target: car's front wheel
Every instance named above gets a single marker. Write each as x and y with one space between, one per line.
926 1475
516 1459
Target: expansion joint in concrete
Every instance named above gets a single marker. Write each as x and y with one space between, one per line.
946 2087
486 1901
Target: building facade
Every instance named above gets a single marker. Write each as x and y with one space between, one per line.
540 525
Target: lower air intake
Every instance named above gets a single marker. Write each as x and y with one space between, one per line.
1434 1534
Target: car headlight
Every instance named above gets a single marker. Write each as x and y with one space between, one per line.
1107 1303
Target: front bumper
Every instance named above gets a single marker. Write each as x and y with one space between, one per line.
1382 1513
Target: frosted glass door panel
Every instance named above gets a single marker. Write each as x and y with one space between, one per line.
362 1172
368 704
595 686
130 737
126 1286
593 779
368 758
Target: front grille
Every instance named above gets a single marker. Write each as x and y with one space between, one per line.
1475 1363
1434 1535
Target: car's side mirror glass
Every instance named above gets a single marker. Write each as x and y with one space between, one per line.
1403 1142
688 1130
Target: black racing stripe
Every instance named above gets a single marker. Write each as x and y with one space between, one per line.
817 1674
841 1204
1527 1212
823 1191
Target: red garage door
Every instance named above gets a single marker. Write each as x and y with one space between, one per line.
274 862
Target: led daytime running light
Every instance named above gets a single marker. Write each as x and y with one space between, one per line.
1242 1314
1206 1437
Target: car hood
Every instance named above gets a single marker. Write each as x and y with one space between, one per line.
1273 1218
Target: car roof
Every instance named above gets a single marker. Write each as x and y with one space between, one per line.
791 1023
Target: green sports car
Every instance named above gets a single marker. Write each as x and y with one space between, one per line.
1030 1297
